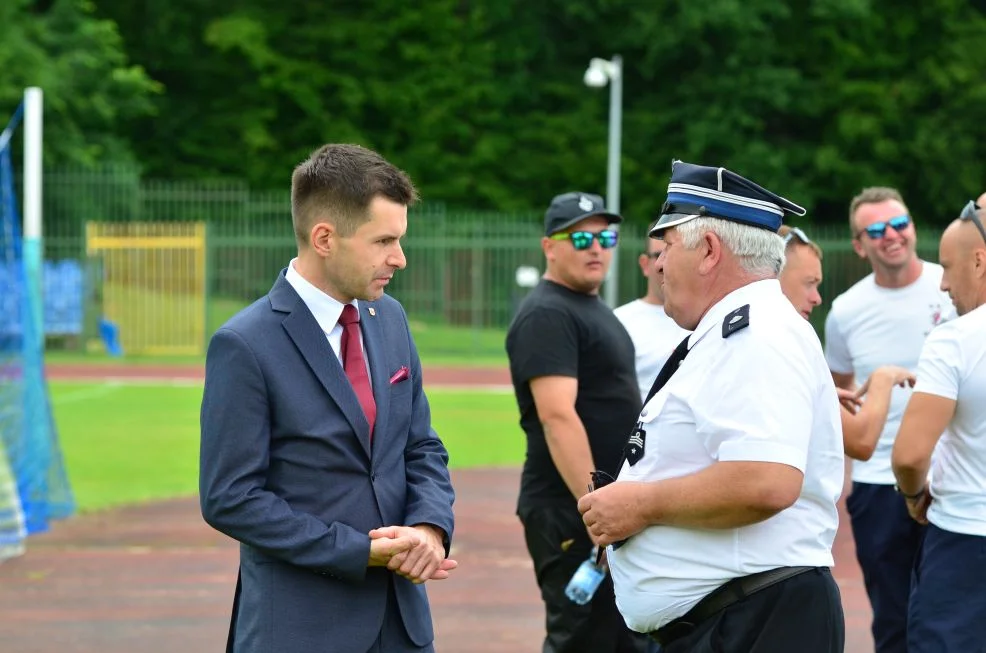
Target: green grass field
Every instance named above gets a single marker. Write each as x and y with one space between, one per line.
130 443
438 344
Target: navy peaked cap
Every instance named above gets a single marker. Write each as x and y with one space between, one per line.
702 191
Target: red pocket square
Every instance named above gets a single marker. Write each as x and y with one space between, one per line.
402 374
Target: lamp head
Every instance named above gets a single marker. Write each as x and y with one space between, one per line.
597 74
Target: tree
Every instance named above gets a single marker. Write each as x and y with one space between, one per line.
79 62
482 100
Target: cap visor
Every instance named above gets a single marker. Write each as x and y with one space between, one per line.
611 218
669 220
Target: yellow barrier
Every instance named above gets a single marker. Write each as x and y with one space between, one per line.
153 283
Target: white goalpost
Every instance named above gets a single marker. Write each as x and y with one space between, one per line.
33 485
33 244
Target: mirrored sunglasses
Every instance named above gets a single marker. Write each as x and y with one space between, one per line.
583 239
796 232
878 230
971 213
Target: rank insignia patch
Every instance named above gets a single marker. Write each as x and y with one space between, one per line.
634 449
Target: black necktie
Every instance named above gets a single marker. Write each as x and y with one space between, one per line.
670 367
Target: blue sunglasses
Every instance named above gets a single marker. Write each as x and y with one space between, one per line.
583 239
878 230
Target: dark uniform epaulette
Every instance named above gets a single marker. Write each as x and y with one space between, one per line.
736 321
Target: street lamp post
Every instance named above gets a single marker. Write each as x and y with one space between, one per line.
599 73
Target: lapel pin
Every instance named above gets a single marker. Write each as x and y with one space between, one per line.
372 311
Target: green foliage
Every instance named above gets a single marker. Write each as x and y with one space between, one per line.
79 62
483 101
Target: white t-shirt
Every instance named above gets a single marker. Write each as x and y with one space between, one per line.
870 326
654 335
953 365
763 393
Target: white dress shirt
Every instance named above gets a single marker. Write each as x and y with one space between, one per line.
325 308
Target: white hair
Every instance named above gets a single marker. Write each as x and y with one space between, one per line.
759 251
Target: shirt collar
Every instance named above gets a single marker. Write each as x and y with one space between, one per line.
325 308
747 294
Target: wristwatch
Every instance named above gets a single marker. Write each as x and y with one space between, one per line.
911 497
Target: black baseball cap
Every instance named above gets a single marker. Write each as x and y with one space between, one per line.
568 208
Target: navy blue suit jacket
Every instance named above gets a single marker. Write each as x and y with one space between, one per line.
288 470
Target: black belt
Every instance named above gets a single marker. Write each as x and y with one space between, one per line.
721 598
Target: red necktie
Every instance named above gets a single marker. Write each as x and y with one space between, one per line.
354 364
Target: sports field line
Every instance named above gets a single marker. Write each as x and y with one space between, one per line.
111 382
89 392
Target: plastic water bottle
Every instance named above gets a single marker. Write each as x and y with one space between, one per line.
586 579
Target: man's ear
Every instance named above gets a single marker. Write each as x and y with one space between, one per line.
858 248
980 264
713 252
322 238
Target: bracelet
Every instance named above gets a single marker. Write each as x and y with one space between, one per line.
911 497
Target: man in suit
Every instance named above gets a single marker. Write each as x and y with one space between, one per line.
319 460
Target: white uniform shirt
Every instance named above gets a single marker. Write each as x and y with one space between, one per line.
762 394
953 365
654 335
870 326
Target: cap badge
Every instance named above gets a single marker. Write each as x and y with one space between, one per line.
585 203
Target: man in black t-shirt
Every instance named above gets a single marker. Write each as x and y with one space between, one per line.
572 367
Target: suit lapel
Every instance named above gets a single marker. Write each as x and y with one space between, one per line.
374 347
308 337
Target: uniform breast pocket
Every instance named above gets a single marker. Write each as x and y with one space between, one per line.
673 440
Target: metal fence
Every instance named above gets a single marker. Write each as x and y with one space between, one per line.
462 265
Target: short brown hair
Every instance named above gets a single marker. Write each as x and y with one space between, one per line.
795 241
872 195
338 182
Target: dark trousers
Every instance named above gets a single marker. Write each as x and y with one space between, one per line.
887 541
948 595
393 636
802 614
558 544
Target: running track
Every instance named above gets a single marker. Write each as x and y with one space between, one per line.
156 579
